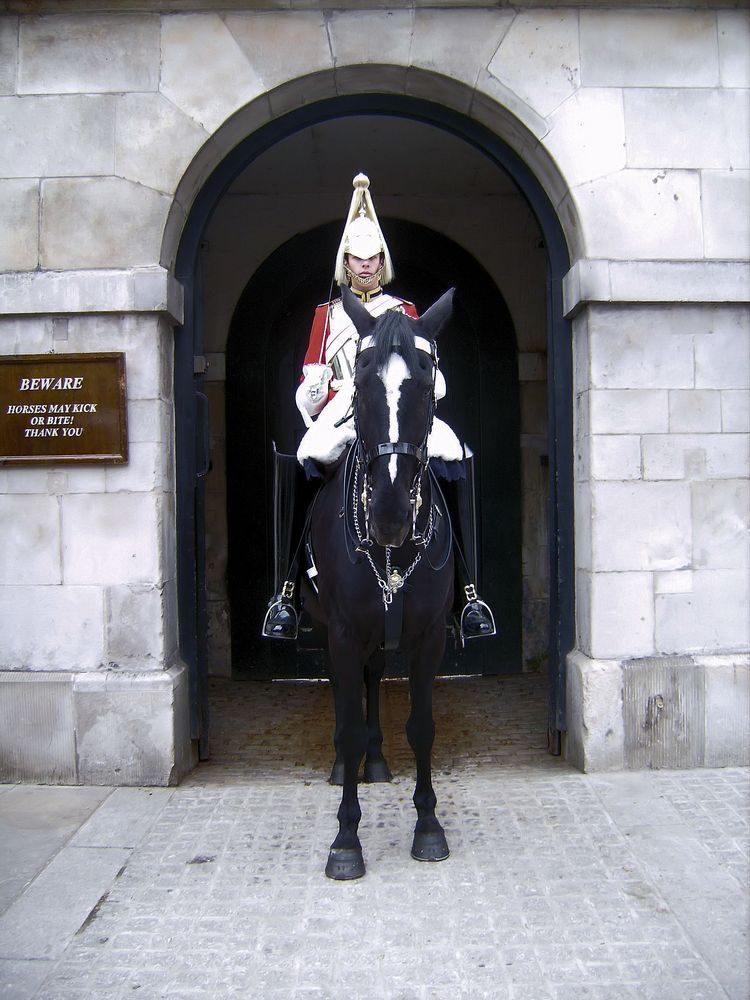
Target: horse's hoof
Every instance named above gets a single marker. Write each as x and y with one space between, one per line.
377 770
430 846
337 774
345 863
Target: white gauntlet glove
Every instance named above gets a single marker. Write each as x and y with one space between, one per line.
312 394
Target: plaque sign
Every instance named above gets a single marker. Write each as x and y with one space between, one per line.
58 408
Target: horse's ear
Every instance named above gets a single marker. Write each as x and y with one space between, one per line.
356 312
432 322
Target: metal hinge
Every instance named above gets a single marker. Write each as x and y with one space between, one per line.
200 364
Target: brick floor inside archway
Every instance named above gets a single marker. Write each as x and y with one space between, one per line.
270 728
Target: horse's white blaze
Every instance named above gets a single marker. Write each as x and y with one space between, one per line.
393 377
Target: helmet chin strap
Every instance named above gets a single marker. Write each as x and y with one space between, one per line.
369 282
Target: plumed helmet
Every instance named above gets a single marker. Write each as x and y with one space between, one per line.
362 235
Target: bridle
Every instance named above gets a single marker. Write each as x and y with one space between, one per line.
364 458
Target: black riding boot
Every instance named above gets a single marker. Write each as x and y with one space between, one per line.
476 620
281 620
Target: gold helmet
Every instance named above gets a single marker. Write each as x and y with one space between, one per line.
362 235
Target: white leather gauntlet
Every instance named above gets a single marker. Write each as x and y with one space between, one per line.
312 394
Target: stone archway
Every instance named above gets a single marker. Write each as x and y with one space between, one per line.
189 345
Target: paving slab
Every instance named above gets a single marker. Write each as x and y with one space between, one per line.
21 979
124 819
36 821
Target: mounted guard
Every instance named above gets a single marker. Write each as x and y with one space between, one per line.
324 399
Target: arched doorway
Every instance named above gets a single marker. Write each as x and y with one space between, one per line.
478 356
189 347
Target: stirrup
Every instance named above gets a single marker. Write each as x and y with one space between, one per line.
281 620
485 626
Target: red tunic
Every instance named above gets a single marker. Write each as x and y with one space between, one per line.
316 349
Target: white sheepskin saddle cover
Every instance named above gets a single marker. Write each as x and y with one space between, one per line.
324 442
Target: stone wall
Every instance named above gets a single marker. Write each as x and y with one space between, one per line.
634 120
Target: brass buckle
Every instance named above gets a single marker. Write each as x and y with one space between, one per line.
287 590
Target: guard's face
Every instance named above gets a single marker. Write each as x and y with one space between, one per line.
363 270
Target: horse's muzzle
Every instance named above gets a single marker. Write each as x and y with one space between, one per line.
393 535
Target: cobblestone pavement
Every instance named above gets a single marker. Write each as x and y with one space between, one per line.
560 886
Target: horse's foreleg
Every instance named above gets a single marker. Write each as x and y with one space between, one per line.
376 767
345 858
429 839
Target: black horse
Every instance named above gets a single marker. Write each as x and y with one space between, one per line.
382 545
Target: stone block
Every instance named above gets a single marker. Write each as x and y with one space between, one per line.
662 207
711 618
8 54
37 731
721 525
532 366
51 628
150 420
583 528
147 469
103 290
498 107
30 540
622 615
735 410
641 281
156 290
80 53
204 71
19 225
641 526
695 456
116 223
267 40
111 538
687 128
649 48
727 684
533 405
130 727
39 479
455 42
663 713
694 410
56 136
147 349
135 627
734 43
154 141
587 135
629 411
539 58
615 456
370 36
26 335
639 349
595 738
722 355
726 212
679 581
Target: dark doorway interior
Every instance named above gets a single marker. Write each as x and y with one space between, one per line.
266 344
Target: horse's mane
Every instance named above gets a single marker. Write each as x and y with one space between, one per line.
393 332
